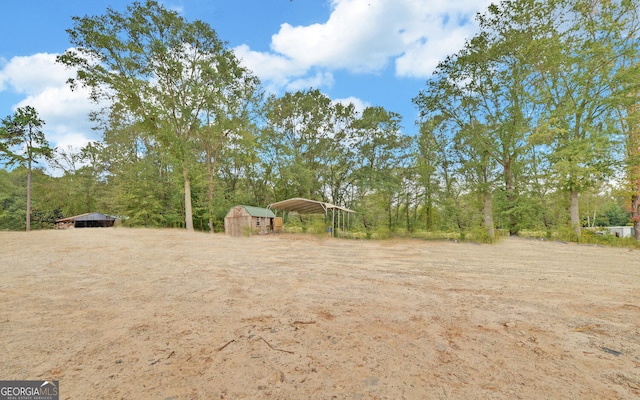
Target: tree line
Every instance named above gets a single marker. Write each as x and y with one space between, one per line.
532 126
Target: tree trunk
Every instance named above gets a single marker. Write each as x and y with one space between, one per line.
409 228
511 199
188 211
633 153
575 213
210 200
429 211
390 212
488 215
28 195
635 208
415 211
210 193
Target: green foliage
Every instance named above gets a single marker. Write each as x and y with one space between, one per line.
22 142
80 188
148 195
171 76
434 235
12 199
13 186
301 145
318 227
566 233
529 114
381 232
615 215
247 231
531 92
480 235
591 237
45 219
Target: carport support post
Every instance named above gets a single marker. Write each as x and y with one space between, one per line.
266 214
333 220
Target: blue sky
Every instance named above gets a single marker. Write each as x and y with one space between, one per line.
369 52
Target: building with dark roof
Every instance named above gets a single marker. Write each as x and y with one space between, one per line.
88 220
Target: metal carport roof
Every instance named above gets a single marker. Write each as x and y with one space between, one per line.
87 217
306 206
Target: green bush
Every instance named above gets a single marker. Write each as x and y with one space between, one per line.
292 229
566 234
435 235
246 230
381 232
591 237
353 235
479 234
317 227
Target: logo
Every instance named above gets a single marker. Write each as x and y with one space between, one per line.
29 390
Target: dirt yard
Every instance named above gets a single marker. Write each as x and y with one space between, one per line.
165 314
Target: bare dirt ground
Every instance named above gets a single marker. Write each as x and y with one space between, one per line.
165 314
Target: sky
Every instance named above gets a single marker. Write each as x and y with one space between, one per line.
368 52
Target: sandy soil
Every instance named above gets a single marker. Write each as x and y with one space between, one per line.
166 314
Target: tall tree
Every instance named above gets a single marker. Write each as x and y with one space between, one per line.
167 72
573 77
23 142
295 141
428 160
79 189
230 123
498 62
482 93
12 201
144 185
382 152
340 157
624 22
451 106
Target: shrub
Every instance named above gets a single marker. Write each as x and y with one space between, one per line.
246 230
479 234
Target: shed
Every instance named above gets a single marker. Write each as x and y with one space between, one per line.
620 231
88 220
243 219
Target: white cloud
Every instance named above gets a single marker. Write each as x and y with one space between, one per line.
43 81
177 8
74 141
366 36
359 36
351 39
32 74
359 104
268 66
320 79
422 56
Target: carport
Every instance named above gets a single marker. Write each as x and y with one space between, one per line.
88 220
306 206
